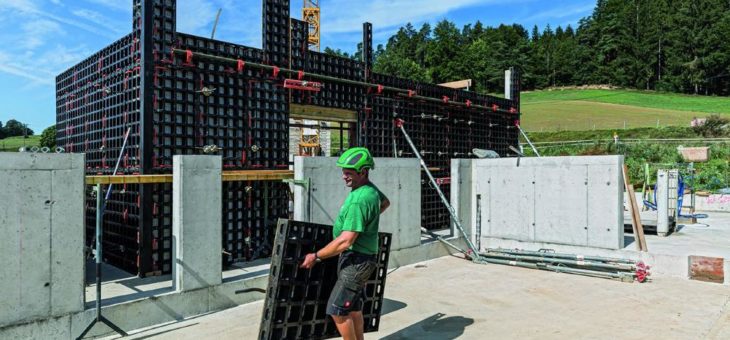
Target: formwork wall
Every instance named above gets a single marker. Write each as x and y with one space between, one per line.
176 104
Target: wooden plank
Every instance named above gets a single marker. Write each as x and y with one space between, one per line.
459 84
635 217
228 176
128 179
257 175
312 112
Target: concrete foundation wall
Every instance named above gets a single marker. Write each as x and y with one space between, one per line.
177 306
398 178
41 236
562 200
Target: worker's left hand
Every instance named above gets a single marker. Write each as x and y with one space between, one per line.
309 261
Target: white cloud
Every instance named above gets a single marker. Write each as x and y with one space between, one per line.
117 5
29 8
36 33
99 19
195 17
562 12
10 65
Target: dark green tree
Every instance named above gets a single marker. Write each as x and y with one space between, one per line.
15 128
48 137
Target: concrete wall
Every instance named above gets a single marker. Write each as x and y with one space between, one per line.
461 197
196 216
563 200
41 235
398 178
714 202
33 310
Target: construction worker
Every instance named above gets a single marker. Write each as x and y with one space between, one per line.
355 235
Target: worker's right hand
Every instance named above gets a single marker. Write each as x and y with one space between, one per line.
309 261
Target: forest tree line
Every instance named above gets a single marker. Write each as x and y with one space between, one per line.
665 45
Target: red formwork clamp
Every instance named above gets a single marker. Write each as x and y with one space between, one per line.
445 99
275 71
303 85
399 122
495 107
188 58
241 64
642 271
512 110
380 89
300 75
468 103
411 93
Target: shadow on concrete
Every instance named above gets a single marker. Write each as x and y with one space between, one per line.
109 273
434 327
390 306
628 240
134 287
247 270
149 336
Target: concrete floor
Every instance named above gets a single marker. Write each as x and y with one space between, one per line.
449 298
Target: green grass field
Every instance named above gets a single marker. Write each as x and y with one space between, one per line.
614 109
14 143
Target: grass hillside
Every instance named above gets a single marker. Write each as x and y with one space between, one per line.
14 143
576 109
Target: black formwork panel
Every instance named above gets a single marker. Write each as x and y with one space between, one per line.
176 105
296 299
299 47
275 26
440 130
244 112
250 210
97 102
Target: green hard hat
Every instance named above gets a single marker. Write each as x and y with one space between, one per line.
357 159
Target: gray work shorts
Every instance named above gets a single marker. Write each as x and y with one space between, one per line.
353 271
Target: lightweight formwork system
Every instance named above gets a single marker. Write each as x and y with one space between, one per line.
296 299
176 103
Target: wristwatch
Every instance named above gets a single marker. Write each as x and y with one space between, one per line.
316 258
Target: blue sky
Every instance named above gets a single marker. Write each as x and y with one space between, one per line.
41 38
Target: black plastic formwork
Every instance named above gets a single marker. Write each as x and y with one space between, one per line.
296 298
176 104
440 130
187 104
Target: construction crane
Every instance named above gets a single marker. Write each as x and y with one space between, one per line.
310 14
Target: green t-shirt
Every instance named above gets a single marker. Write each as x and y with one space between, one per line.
361 213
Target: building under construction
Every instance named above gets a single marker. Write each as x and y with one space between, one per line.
196 173
179 94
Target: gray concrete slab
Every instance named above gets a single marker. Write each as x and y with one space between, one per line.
67 238
196 221
562 200
398 178
449 298
41 235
